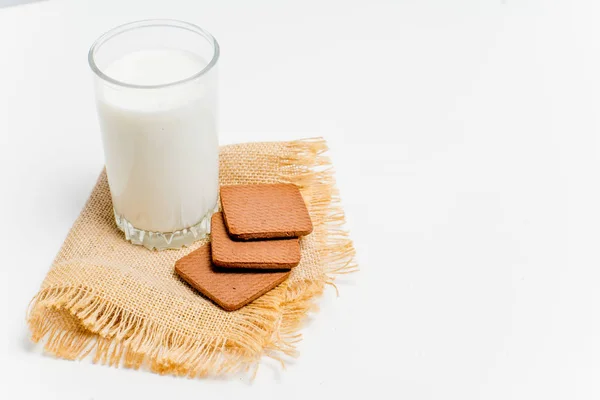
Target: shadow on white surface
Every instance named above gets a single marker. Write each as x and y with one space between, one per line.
11 3
27 345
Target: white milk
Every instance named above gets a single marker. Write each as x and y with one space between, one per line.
160 145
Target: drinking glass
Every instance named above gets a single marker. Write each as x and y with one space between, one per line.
156 95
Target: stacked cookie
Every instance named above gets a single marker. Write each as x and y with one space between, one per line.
254 244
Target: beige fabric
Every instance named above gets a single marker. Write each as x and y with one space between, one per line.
124 305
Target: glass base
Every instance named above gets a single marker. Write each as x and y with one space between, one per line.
165 240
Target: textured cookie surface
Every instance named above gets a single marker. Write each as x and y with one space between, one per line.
230 290
262 254
264 211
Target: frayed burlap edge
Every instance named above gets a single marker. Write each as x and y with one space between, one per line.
74 323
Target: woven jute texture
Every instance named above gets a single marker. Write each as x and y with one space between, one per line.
123 305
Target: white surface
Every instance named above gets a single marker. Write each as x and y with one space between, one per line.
464 135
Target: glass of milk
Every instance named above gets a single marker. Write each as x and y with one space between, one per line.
156 95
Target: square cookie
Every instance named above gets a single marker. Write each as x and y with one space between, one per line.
264 211
229 290
262 254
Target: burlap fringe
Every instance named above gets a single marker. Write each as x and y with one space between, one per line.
75 322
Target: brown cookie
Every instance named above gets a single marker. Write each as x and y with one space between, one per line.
262 254
230 290
264 211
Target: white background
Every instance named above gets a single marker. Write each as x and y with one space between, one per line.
464 135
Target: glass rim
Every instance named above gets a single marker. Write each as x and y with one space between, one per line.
171 23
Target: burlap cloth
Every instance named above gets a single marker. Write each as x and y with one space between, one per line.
123 305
